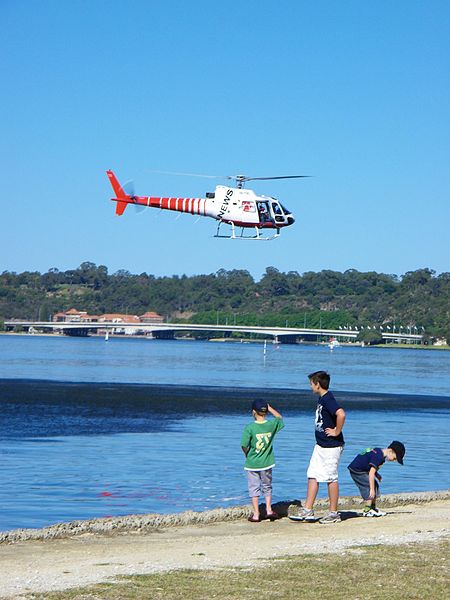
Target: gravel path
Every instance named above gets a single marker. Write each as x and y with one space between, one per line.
101 551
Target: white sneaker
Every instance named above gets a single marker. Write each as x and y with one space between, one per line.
374 512
301 514
332 517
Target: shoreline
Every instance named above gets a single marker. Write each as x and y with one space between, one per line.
224 540
141 523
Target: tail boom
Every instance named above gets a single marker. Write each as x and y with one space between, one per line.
193 206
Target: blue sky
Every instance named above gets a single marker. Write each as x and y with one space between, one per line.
354 93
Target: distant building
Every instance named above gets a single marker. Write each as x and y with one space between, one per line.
151 317
81 316
73 316
118 318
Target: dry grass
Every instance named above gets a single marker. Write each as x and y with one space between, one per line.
408 572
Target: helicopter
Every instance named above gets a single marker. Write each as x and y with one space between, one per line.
250 216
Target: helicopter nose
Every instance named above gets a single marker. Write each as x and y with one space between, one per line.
290 220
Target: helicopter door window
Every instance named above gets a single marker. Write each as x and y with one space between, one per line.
264 214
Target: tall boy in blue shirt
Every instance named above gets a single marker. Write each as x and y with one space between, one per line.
324 463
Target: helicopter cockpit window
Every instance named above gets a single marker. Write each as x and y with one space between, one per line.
277 211
276 208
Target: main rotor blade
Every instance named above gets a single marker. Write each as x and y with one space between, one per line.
187 174
279 177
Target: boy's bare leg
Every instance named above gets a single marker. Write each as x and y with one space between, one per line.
333 495
255 504
313 488
269 504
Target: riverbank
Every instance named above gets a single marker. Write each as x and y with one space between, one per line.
88 552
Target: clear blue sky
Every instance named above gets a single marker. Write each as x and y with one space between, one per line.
354 93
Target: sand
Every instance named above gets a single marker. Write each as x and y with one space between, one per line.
72 556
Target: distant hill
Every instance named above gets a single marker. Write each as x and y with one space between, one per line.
418 299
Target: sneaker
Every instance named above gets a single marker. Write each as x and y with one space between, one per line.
374 512
332 517
298 513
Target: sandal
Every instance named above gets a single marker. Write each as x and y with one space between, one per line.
273 516
254 519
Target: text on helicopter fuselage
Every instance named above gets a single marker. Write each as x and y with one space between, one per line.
225 203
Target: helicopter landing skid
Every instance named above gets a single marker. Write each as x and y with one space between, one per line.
256 237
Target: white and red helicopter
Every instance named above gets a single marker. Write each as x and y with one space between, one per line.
240 208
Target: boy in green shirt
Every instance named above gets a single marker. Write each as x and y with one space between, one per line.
257 445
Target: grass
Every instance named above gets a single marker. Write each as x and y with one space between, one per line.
408 572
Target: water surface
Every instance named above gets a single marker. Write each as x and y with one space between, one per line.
94 429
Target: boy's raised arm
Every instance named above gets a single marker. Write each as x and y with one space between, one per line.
274 412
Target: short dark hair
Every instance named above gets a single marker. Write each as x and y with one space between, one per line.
320 377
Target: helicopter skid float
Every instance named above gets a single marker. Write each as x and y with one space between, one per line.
261 216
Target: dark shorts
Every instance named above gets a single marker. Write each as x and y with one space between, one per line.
362 481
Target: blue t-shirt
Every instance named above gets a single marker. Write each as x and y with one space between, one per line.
326 417
367 458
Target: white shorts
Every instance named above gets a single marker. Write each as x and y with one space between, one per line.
324 463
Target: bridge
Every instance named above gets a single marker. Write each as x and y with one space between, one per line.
286 335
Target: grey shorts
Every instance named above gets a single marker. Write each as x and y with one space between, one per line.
259 482
362 481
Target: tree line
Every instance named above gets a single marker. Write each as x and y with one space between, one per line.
418 299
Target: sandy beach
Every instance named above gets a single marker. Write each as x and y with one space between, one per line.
82 553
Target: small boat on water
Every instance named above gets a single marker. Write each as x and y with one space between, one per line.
333 344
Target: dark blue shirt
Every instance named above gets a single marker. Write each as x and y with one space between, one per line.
326 417
367 458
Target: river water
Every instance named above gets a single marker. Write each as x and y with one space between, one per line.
90 428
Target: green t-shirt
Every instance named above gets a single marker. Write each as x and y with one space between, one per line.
258 437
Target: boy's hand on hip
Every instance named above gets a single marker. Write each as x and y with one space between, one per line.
331 432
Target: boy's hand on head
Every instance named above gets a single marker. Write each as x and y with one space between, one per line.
273 411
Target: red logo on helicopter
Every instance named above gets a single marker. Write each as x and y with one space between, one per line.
248 206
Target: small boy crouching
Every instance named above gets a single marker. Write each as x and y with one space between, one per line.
364 472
